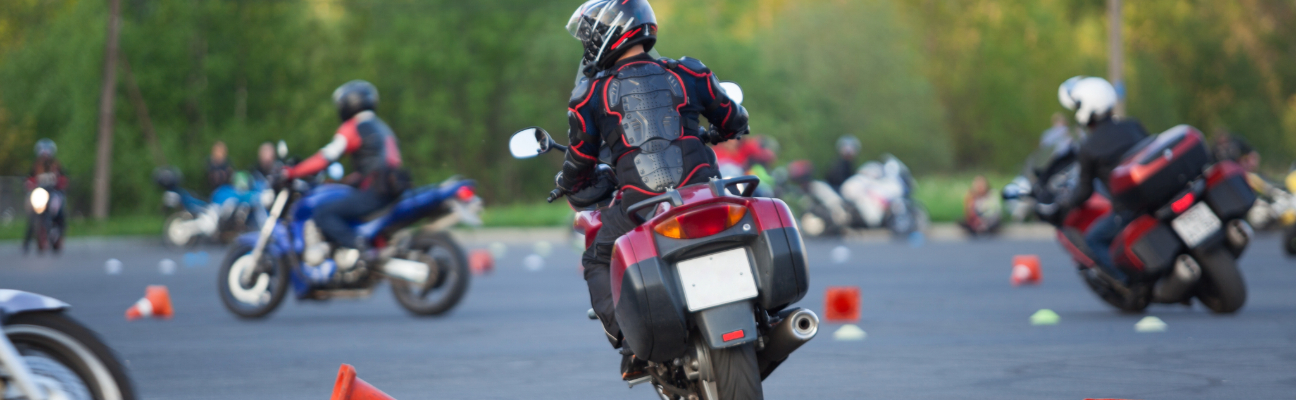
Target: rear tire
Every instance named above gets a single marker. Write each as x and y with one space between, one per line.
249 302
1222 288
736 373
448 281
54 344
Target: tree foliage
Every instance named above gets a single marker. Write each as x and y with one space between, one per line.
944 85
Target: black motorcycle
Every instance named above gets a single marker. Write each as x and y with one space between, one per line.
45 221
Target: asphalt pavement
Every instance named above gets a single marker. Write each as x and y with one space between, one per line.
942 322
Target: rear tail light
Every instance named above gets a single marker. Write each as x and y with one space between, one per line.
1182 204
465 193
702 222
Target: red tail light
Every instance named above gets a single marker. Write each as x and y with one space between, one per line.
1181 205
465 193
702 222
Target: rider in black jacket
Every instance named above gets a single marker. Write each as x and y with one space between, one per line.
643 114
1093 100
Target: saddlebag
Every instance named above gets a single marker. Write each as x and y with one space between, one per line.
1155 172
1146 248
1227 191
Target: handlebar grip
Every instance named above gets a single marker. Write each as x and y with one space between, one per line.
554 195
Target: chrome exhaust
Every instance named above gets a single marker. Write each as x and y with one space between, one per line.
407 270
1172 288
798 327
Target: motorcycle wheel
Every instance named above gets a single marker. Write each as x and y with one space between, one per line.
447 283
173 232
1222 288
66 356
1289 241
263 296
736 373
42 237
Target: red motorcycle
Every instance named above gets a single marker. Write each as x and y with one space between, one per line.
1188 231
703 287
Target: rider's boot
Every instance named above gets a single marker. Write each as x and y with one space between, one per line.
631 367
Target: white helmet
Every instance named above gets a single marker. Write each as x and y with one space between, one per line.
1090 98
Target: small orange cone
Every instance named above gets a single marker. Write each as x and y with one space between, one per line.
1026 270
481 262
842 304
156 303
349 387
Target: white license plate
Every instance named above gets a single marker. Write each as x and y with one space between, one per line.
1196 224
716 279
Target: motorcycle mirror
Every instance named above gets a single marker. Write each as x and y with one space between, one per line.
282 149
733 90
524 143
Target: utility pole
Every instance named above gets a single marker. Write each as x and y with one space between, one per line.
103 162
1116 54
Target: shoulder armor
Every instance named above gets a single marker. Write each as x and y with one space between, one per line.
694 65
668 62
581 92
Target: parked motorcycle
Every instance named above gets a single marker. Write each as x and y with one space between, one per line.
46 355
878 196
427 268
1188 232
233 209
703 288
45 217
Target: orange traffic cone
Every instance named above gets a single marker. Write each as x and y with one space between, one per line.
481 262
842 304
1026 270
156 303
349 387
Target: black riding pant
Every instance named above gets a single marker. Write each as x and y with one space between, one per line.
596 262
334 218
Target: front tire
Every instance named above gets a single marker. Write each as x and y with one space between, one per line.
1222 288
175 233
266 290
447 283
66 354
1289 241
736 373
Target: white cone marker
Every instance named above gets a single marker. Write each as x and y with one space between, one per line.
1150 324
533 262
166 266
113 266
840 255
849 332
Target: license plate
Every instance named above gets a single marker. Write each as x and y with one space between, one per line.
1196 224
716 279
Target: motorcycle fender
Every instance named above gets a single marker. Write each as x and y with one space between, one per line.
277 245
728 325
651 311
17 301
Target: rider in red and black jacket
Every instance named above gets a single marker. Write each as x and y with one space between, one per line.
642 114
375 154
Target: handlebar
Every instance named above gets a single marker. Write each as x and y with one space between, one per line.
555 194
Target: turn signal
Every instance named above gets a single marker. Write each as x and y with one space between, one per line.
702 222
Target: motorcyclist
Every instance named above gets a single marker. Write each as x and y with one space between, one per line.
375 154
45 172
847 148
1093 100
644 112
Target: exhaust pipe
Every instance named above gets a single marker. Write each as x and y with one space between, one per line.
403 269
799 325
1172 288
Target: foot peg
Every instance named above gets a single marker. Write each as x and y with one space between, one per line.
636 381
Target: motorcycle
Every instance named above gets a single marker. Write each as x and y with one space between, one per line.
46 355
232 210
879 195
427 268
703 288
45 217
1187 232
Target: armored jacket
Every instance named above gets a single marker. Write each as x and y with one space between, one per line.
374 150
641 117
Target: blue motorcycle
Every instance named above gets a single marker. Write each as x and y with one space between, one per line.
427 268
232 209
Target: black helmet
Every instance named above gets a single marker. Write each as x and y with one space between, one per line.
608 28
46 148
353 97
